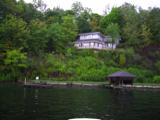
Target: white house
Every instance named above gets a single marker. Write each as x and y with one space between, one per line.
95 40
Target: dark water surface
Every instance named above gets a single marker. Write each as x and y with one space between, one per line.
18 103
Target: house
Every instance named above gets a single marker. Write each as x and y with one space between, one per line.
95 40
121 78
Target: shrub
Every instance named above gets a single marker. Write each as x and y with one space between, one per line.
142 75
156 79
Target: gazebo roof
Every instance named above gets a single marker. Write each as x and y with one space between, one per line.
122 74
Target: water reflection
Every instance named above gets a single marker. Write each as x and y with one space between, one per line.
18 103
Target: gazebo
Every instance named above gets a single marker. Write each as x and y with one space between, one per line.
121 78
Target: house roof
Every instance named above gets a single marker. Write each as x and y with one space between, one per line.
122 74
89 33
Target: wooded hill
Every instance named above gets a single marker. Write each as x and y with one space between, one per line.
39 41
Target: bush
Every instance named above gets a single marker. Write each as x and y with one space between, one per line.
156 79
6 77
142 75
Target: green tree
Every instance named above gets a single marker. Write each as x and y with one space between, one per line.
70 28
77 8
16 61
82 17
83 22
130 27
114 31
56 38
7 7
37 40
40 5
54 16
153 23
145 36
95 22
113 17
157 66
28 11
122 59
61 35
13 32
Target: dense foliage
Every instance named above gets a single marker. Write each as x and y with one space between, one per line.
39 41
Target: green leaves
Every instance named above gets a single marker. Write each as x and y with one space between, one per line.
122 59
113 17
14 32
113 30
37 40
16 59
153 23
60 35
15 62
77 8
95 22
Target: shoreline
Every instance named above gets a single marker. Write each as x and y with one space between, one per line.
65 84
90 85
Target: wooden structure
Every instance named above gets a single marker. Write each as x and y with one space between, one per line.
121 78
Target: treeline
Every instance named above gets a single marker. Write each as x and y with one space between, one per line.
39 41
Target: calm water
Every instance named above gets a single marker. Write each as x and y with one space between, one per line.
18 103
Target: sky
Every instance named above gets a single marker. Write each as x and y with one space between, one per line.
99 6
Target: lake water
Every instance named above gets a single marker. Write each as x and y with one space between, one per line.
19 103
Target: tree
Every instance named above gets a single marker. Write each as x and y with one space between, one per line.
114 31
7 7
55 15
113 17
70 28
130 26
40 5
13 32
56 38
82 17
95 22
145 35
83 22
145 32
153 23
77 8
60 35
37 40
122 59
16 61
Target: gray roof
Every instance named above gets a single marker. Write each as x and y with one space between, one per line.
121 74
89 33
91 40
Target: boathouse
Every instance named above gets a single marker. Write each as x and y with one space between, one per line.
121 78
